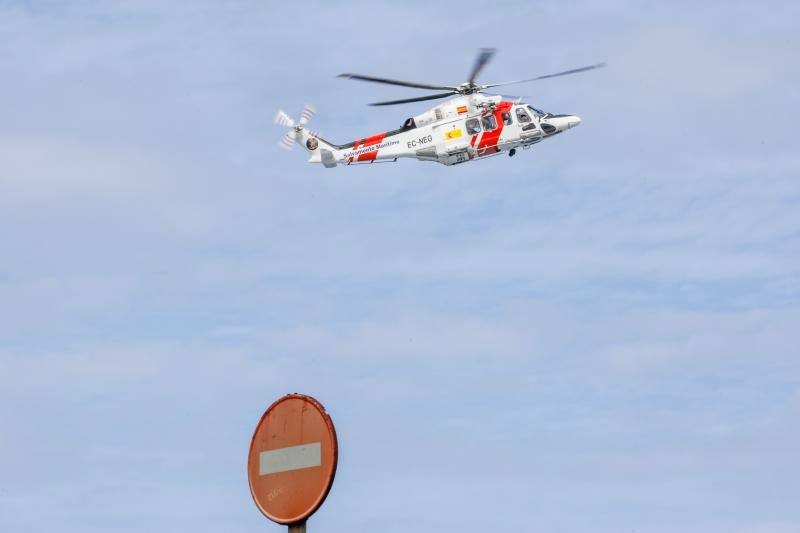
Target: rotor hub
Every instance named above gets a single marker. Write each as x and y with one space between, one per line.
468 88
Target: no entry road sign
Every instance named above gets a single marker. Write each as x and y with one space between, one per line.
292 459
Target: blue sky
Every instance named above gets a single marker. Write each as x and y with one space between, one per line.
599 335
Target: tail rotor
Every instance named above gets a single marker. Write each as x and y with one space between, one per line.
288 141
294 135
282 119
307 113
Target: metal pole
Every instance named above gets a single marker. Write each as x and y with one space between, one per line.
298 527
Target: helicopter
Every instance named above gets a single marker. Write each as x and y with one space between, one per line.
469 126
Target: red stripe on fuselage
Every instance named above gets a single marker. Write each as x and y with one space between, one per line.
371 141
355 147
488 143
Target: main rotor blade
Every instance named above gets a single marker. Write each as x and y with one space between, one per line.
566 72
349 76
484 56
420 99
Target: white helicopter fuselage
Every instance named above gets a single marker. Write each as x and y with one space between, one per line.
464 128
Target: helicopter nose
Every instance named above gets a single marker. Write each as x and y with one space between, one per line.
562 122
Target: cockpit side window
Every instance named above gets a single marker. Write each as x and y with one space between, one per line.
473 126
507 120
489 123
522 116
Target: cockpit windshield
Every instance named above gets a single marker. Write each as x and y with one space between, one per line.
538 112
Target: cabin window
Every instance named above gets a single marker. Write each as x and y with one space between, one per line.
507 118
523 116
489 123
473 126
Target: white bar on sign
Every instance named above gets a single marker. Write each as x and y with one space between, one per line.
291 458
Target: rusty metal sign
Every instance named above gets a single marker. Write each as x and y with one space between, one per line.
292 459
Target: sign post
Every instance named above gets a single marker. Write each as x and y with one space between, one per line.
292 460
299 527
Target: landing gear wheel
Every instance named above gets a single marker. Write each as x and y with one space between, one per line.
512 152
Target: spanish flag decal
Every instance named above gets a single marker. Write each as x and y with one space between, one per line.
452 134
461 109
